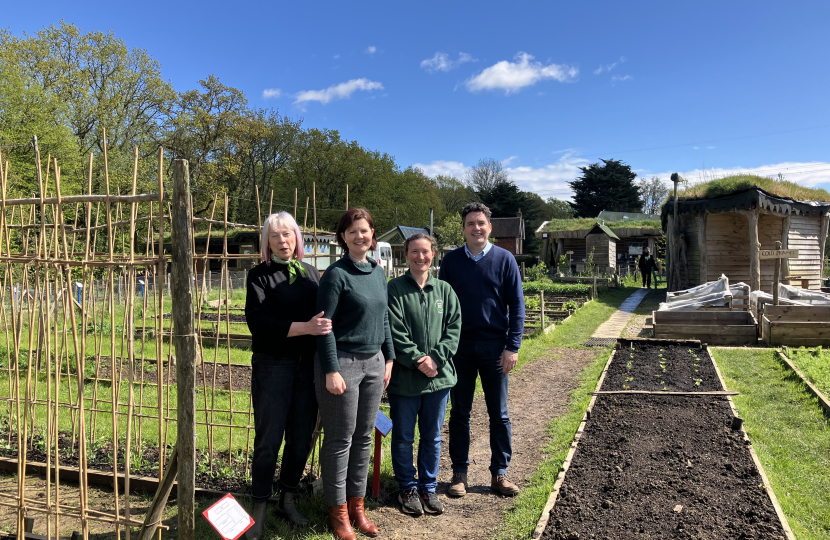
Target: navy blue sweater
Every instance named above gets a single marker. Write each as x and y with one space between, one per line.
490 293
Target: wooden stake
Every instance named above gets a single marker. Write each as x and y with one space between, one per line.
295 203
271 204
185 343
777 277
258 210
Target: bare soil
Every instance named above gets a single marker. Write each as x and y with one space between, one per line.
653 466
538 393
670 368
147 372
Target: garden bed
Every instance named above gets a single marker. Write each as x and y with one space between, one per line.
712 327
661 366
662 467
146 372
652 465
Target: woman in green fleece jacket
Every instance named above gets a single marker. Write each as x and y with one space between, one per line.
425 317
351 370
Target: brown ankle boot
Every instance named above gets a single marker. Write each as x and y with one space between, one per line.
358 515
339 523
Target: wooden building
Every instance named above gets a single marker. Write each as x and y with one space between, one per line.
630 238
725 234
395 238
509 233
602 243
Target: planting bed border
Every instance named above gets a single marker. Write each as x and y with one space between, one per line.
823 400
546 511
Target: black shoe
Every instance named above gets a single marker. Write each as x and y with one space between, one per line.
432 504
410 502
286 509
258 515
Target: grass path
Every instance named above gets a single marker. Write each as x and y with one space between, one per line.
788 431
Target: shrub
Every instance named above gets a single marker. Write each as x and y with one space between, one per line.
562 289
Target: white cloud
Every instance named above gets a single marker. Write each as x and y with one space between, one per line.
552 180
506 162
336 56
442 62
548 181
338 91
271 93
371 49
808 174
609 67
617 78
523 71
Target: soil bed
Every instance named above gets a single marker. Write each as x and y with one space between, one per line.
662 467
214 317
204 374
684 371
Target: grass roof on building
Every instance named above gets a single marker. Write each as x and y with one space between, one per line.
730 184
577 224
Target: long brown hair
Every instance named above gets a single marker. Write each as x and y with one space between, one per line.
347 219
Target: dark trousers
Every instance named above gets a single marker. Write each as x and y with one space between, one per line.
282 390
647 279
474 358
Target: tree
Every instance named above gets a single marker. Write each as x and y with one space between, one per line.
556 209
453 193
609 186
450 232
486 176
653 192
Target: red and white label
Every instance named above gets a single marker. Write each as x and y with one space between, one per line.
228 518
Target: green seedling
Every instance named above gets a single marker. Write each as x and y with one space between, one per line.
629 379
697 381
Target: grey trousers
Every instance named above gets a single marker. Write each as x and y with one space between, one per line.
348 421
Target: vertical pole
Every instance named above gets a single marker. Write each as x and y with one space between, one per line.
314 194
754 251
185 344
777 277
295 204
347 196
542 308
258 210
377 463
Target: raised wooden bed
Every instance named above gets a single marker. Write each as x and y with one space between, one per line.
796 326
667 464
708 326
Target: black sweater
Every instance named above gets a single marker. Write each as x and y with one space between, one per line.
272 305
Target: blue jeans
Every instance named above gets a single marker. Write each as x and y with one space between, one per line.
428 410
282 391
480 357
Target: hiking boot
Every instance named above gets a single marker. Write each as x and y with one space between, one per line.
432 504
287 509
410 502
258 515
458 485
500 484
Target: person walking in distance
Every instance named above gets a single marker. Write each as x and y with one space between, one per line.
647 265
425 319
488 284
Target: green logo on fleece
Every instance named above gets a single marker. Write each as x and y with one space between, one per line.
440 305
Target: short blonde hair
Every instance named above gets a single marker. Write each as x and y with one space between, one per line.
273 222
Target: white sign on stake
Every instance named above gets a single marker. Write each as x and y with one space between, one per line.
228 518
779 253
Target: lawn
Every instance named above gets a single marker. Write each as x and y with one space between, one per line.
789 432
814 364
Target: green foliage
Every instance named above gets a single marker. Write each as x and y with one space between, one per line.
730 184
578 224
556 209
609 186
560 289
450 232
538 272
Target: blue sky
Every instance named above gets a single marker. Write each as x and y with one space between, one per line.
702 88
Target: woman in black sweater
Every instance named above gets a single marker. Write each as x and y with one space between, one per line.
280 311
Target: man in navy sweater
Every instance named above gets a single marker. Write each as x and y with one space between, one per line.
488 284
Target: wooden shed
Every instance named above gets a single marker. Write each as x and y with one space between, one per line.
725 234
602 243
562 235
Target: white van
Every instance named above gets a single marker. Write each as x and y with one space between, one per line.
383 255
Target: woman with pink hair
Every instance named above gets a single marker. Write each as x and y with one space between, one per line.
280 311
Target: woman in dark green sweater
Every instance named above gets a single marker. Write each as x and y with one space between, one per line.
352 367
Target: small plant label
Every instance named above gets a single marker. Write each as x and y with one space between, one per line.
228 518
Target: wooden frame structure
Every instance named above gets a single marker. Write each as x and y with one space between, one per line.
724 235
94 353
